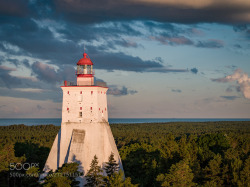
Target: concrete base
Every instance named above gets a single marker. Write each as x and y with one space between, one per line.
80 142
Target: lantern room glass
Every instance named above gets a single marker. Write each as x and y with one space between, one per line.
84 69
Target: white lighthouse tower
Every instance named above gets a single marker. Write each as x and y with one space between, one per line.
85 131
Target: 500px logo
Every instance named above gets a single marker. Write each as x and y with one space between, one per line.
24 166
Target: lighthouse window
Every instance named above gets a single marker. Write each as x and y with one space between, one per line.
80 69
88 69
79 98
80 114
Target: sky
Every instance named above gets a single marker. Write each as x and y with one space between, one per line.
159 58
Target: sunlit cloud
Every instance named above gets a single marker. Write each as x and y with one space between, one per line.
242 80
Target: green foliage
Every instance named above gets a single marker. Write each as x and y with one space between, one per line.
179 174
217 153
117 180
111 166
32 177
213 172
63 176
94 176
245 174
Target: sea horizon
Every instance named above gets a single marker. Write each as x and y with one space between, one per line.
57 121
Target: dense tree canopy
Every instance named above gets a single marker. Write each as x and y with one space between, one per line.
205 154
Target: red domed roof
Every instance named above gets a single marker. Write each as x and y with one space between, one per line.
85 60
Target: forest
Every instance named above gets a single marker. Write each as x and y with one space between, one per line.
153 154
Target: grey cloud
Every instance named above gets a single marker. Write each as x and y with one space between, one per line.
45 72
165 11
14 7
6 80
229 89
212 43
100 82
175 37
232 67
166 70
121 61
126 43
116 91
106 30
244 30
159 59
17 62
9 81
42 96
172 40
230 97
94 11
223 80
26 63
238 46
240 28
176 90
232 88
48 47
194 70
49 74
39 107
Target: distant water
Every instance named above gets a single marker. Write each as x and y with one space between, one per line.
57 121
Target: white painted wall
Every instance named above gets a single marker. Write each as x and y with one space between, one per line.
75 97
85 81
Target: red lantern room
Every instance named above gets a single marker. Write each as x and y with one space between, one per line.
84 72
84 67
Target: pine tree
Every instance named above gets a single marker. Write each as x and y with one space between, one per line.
179 174
117 180
64 176
94 176
111 166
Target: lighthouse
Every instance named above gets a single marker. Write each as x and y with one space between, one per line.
85 131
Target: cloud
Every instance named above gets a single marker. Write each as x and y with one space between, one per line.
194 70
240 28
226 11
116 91
176 90
212 43
1 106
14 7
166 70
100 82
39 107
244 30
6 69
126 43
9 81
45 72
242 80
174 37
53 95
49 74
121 61
230 97
172 40
6 79
17 62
